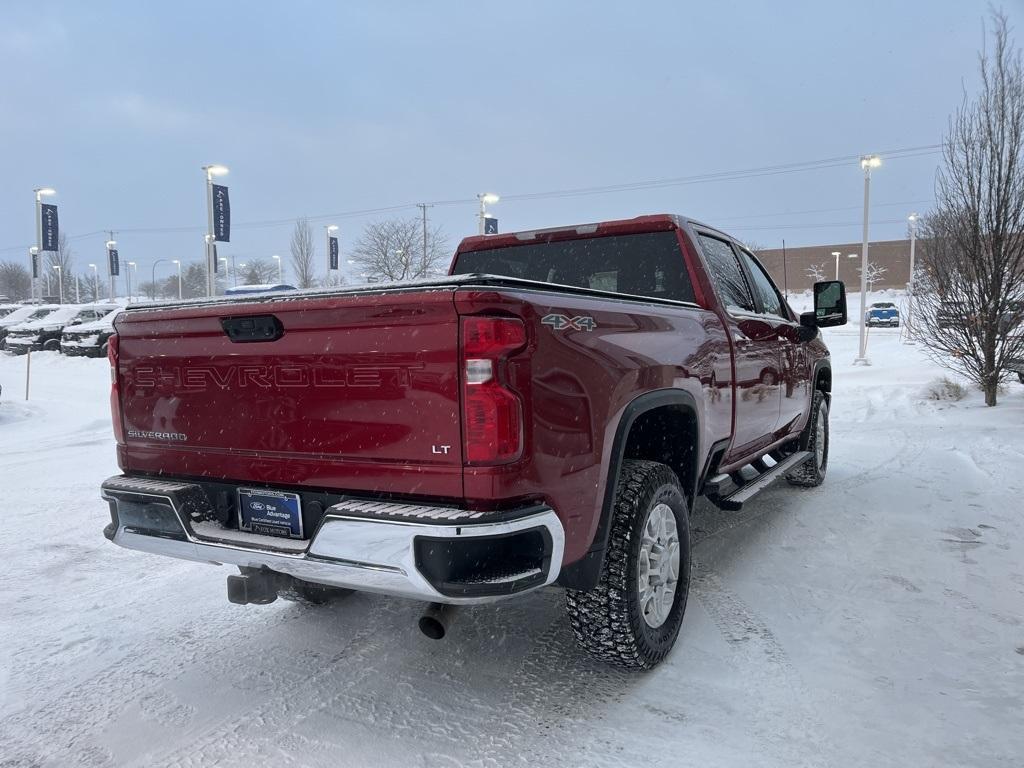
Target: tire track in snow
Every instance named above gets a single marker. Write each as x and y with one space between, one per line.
60 727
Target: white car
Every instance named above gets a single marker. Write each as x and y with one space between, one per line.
44 333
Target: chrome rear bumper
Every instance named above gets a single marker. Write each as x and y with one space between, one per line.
369 546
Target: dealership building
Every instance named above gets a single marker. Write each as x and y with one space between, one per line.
790 268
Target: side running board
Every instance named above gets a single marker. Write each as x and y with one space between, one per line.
730 491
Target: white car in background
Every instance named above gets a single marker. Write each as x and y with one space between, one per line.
23 313
45 333
89 339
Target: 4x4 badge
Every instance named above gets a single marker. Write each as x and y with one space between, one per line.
561 322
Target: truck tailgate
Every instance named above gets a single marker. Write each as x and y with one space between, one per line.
360 391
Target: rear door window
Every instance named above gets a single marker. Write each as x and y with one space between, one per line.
771 302
726 274
647 264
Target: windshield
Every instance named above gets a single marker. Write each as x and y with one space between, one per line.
648 264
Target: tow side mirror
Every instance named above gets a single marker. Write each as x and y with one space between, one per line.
829 304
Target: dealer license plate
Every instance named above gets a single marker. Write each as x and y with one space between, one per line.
271 513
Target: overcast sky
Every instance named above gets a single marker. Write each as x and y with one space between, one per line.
323 109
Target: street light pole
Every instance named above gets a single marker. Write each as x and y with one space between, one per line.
178 262
211 266
485 198
912 218
131 269
60 283
152 274
40 191
280 276
33 267
95 283
867 162
110 263
836 254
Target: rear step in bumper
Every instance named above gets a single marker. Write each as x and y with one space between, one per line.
388 554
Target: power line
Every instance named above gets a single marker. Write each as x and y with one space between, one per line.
732 175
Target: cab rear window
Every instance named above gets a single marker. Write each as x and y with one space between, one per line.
646 264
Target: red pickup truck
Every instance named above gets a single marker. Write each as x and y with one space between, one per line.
545 414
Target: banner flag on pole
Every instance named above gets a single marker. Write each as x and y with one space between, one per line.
334 252
221 214
48 222
490 225
115 262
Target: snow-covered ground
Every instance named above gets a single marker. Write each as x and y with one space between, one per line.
875 621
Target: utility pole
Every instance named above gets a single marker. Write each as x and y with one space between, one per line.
423 209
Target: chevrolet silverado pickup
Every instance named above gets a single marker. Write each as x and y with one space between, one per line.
547 414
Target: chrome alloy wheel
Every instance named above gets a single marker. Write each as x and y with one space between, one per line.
658 572
819 438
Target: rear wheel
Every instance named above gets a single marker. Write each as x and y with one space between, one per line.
632 617
53 345
1020 377
815 439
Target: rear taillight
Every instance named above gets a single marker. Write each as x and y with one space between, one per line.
492 414
115 389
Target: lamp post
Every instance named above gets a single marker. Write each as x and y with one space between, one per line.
33 259
240 266
48 291
110 265
95 283
280 278
131 270
40 192
224 259
908 324
485 198
836 254
178 262
211 171
153 275
867 162
60 282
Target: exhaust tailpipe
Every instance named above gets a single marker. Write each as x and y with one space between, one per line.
435 620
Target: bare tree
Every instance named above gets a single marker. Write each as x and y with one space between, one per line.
968 307
149 289
874 274
303 254
816 272
393 250
257 272
15 280
753 246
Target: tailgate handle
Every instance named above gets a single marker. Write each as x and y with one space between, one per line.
252 328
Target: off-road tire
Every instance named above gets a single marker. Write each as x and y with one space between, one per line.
607 620
811 473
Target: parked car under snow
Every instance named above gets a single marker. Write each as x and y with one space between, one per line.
89 339
45 333
24 313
